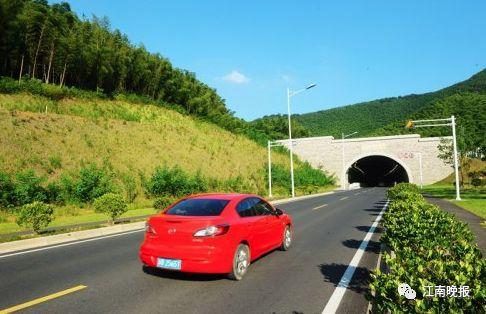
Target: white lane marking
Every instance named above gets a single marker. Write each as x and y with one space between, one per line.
317 207
343 198
336 297
71 243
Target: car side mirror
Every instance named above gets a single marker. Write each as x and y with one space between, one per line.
278 211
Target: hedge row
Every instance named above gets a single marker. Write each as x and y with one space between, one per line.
431 248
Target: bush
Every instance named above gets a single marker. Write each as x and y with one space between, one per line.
6 190
92 183
36 215
476 182
176 182
111 204
162 202
28 188
431 248
130 187
394 192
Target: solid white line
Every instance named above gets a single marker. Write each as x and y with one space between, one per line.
336 297
71 243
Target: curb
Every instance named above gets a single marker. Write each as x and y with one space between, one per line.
9 247
13 246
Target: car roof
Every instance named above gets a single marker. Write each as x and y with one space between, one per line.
222 196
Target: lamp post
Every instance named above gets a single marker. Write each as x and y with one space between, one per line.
343 185
289 95
442 122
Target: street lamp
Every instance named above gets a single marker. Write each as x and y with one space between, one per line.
289 95
343 185
442 122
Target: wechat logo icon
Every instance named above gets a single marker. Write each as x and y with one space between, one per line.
407 291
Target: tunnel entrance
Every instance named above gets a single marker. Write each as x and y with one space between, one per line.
376 171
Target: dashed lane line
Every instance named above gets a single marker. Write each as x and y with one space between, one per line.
318 207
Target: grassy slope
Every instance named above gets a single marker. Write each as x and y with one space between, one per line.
128 138
81 131
382 112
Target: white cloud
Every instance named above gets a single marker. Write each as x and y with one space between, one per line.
236 77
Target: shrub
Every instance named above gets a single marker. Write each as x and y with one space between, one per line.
111 204
394 192
162 202
476 182
130 187
431 248
92 183
28 188
175 181
36 215
6 190
54 193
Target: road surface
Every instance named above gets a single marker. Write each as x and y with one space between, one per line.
328 232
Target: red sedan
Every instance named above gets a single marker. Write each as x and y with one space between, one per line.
215 233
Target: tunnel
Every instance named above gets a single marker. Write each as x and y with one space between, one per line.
371 171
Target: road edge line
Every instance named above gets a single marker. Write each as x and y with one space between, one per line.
338 294
71 243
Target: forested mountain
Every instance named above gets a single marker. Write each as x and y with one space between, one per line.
370 116
466 100
51 43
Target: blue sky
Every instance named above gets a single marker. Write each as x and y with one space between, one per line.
353 50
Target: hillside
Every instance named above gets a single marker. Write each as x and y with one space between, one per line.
49 43
128 140
368 117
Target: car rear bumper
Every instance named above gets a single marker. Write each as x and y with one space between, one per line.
202 259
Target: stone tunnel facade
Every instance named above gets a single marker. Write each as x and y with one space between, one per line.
417 156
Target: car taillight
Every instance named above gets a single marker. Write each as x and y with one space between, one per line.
212 231
149 229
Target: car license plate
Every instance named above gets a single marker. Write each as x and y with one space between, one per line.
168 263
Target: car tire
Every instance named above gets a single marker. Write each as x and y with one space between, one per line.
287 239
241 261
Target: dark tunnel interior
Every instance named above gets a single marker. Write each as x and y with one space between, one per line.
376 171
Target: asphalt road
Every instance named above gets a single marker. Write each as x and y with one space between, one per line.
301 280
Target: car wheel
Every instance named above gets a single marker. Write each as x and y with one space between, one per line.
287 239
241 261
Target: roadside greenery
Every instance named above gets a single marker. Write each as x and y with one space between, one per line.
36 216
111 204
100 188
429 247
473 198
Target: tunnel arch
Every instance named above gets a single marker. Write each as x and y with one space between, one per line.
384 170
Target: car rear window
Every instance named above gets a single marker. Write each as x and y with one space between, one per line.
198 207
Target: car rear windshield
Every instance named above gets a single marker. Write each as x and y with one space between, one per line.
198 207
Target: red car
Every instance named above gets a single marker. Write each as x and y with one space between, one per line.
215 233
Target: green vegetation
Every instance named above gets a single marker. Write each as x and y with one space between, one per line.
430 247
470 111
110 204
47 43
367 117
84 148
36 215
473 199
